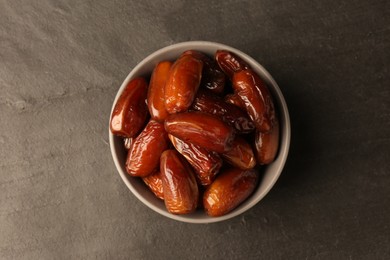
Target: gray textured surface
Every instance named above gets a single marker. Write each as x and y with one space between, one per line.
61 63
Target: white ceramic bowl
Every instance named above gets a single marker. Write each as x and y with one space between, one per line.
271 172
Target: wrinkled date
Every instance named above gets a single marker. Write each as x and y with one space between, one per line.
144 155
241 155
205 141
235 100
206 163
213 77
180 188
156 92
154 182
201 129
256 98
230 63
182 83
229 189
231 114
267 145
130 111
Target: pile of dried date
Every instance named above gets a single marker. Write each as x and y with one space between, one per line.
198 132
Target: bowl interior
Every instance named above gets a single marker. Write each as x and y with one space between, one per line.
270 173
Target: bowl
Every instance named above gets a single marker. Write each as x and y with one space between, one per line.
270 173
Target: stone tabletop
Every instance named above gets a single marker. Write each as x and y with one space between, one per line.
62 62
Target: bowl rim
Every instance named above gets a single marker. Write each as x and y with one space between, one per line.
283 148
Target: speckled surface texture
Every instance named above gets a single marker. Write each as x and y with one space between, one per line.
62 62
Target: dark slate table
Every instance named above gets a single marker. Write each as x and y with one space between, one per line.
62 62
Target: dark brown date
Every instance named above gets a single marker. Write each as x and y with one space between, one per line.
154 182
235 100
156 95
267 145
205 163
181 192
144 155
256 97
241 155
201 129
230 62
229 190
207 102
213 77
182 83
130 111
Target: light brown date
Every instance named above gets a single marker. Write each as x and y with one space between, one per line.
230 62
182 83
201 129
144 155
130 111
213 77
154 182
241 155
156 95
229 190
205 163
181 192
207 102
267 145
256 98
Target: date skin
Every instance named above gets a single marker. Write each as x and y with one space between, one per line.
235 100
154 182
182 83
213 77
144 155
201 129
206 101
181 192
241 155
256 97
229 190
130 112
267 144
205 163
156 95
230 62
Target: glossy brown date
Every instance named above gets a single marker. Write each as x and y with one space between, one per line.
241 155
144 155
130 111
201 129
213 77
205 163
156 94
267 145
207 102
230 62
229 190
256 98
154 182
182 83
235 100
181 192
